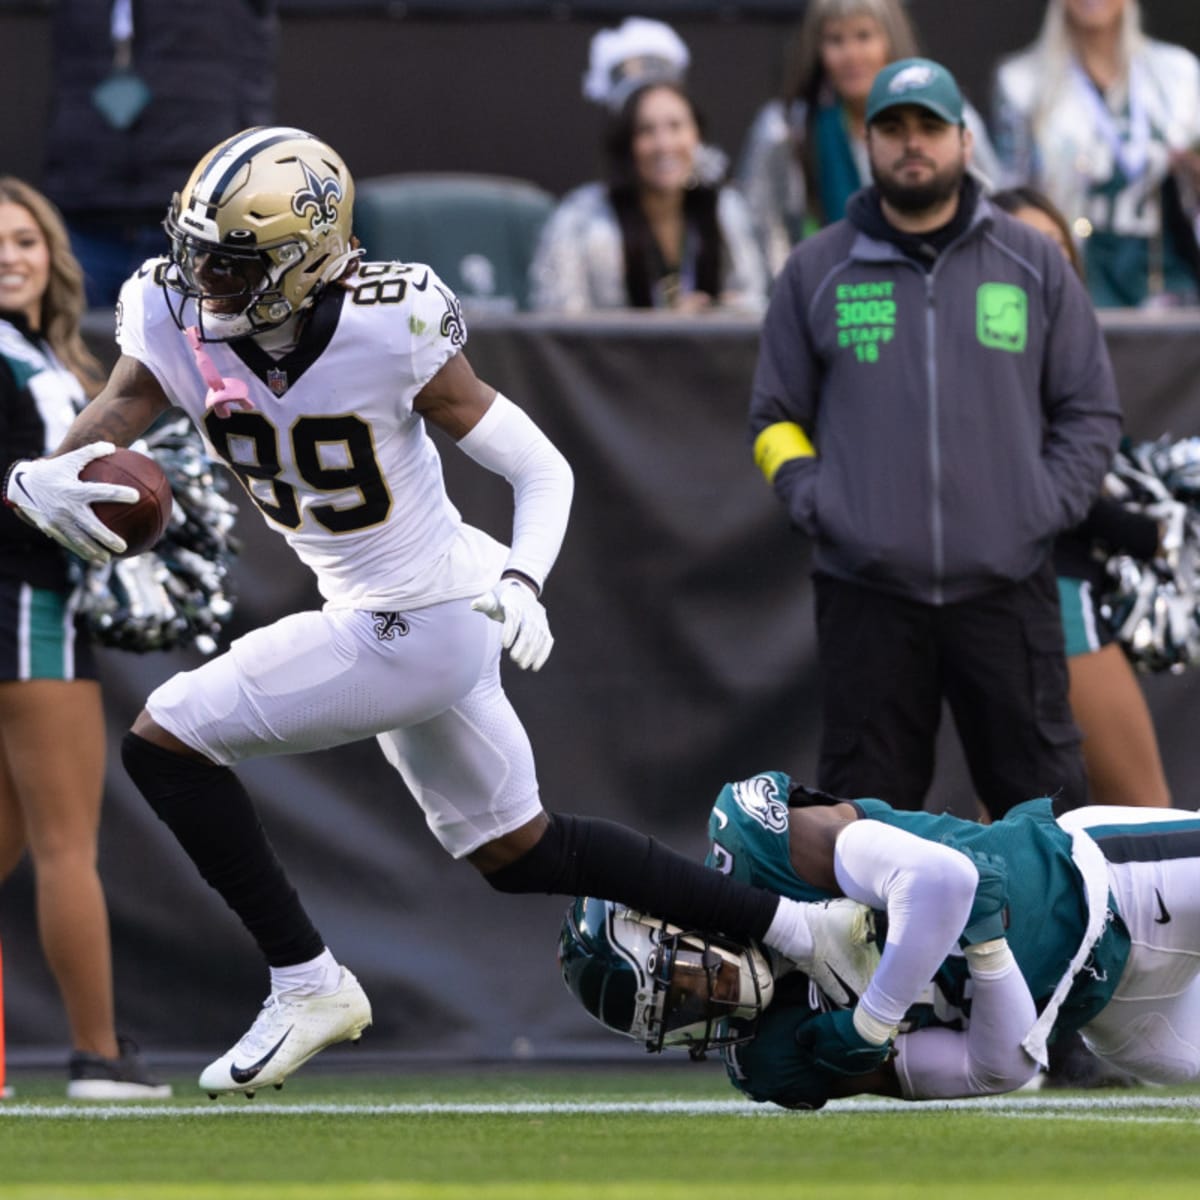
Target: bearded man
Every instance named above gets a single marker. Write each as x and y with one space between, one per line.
933 404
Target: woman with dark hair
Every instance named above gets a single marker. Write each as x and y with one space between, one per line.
1120 750
1035 208
50 795
660 232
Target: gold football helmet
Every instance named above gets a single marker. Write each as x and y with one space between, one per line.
262 225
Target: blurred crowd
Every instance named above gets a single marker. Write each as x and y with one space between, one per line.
1095 114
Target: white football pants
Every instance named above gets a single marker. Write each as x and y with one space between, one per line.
1151 1026
425 684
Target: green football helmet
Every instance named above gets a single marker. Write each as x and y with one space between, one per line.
659 984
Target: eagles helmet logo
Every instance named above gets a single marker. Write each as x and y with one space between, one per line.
319 196
759 798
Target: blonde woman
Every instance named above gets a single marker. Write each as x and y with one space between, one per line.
1106 122
50 799
806 154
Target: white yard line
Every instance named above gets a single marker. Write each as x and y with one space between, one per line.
1140 1108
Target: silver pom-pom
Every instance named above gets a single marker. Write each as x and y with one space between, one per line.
1155 606
1178 465
177 594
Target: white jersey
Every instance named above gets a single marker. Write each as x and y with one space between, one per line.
333 454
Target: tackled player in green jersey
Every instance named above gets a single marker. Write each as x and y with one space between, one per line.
995 939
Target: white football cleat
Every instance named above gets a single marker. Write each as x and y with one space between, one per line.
844 951
287 1032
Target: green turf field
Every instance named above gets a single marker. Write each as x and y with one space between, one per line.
501 1134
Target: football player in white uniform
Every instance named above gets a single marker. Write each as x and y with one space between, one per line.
312 376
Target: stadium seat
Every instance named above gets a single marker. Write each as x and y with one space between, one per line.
478 232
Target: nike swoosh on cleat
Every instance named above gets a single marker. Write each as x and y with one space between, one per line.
850 992
245 1074
1163 917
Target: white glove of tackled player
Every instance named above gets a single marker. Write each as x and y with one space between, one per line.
49 494
526 630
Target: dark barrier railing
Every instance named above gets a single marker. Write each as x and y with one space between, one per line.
1155 353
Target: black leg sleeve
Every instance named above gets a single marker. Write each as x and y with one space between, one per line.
585 856
210 813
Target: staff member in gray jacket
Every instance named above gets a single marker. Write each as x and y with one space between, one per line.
933 403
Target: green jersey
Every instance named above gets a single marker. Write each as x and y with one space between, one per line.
1047 903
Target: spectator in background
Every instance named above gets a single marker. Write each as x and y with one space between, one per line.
661 231
637 51
1120 750
933 404
806 152
140 93
50 794
1106 122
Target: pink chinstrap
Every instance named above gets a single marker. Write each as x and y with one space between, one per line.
225 396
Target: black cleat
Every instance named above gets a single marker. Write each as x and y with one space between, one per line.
91 1077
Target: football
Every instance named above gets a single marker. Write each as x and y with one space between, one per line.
141 523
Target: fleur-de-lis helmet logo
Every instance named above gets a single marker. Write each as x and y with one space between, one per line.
320 195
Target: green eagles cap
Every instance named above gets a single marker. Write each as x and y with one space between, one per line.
918 81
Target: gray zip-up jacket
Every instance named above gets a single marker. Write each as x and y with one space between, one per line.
933 431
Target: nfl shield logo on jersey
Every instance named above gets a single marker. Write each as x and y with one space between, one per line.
277 380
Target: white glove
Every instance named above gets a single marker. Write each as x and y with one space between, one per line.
526 630
49 494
